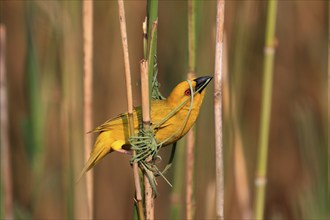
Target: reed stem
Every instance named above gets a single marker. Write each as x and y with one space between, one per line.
190 144
190 161
151 58
152 18
328 100
218 109
147 74
148 192
192 35
122 20
4 135
269 52
88 94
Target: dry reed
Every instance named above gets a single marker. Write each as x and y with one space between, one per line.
190 144
88 94
5 151
218 109
148 191
122 20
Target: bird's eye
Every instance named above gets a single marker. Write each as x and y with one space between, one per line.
187 92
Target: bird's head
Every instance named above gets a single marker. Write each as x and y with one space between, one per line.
184 90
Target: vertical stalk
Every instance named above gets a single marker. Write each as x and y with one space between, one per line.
152 17
152 39
88 94
152 13
192 35
190 161
35 121
4 135
122 20
148 192
269 52
147 74
145 38
218 109
190 148
72 106
328 98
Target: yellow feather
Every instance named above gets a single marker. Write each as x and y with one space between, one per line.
114 133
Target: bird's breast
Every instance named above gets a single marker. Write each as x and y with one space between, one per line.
176 127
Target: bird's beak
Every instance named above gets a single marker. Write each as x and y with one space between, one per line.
201 83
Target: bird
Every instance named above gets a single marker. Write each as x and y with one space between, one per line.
171 119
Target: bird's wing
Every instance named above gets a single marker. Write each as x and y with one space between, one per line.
109 123
158 113
121 119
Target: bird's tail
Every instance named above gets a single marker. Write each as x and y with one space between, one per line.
100 150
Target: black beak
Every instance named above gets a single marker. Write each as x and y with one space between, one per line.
201 82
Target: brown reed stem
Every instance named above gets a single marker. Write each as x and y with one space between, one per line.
122 20
192 35
190 159
5 151
218 109
190 145
148 192
88 94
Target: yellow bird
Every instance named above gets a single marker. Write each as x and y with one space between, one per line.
114 133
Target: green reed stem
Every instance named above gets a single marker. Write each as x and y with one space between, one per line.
152 17
269 52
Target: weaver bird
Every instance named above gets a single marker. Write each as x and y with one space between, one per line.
181 106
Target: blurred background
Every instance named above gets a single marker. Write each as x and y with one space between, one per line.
45 89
